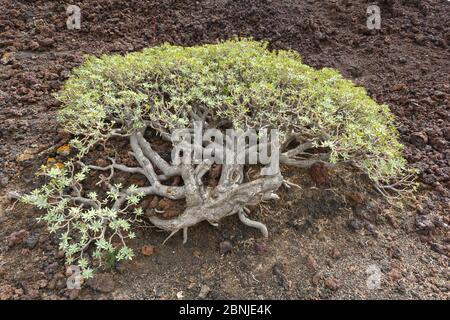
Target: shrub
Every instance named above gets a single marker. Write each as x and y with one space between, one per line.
233 84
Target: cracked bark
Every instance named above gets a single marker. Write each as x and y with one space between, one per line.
231 196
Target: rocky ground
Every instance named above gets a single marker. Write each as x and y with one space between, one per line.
327 239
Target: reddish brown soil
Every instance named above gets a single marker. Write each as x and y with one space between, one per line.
406 64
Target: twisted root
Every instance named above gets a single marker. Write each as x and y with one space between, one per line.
225 204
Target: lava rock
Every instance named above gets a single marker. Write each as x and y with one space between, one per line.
331 283
33 45
311 263
47 42
419 139
16 237
335 253
204 291
51 268
439 248
4 180
102 283
355 224
395 274
279 270
261 248
319 173
31 241
148 250
355 198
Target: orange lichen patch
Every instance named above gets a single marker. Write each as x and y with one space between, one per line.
64 150
7 58
51 161
59 165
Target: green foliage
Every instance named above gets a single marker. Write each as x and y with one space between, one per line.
240 81
77 226
111 258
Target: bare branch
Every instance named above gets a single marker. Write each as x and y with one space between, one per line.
117 166
155 158
84 201
304 163
146 165
173 193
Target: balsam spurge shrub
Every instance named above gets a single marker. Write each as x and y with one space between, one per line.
238 84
